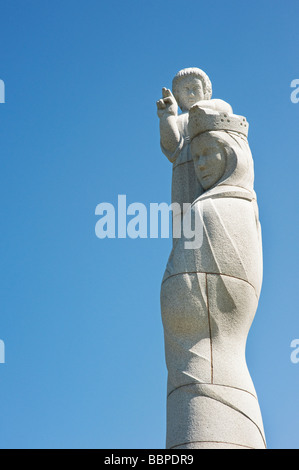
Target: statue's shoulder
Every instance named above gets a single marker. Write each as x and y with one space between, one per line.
222 106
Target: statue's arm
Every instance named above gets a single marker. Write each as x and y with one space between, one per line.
170 137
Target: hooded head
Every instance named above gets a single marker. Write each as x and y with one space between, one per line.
220 150
222 158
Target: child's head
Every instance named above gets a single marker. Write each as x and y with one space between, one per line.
190 86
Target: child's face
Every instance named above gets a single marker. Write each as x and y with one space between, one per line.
190 92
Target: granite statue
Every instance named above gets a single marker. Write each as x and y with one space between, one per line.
210 294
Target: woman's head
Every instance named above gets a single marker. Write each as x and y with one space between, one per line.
209 158
222 158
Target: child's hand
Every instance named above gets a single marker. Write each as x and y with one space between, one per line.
167 106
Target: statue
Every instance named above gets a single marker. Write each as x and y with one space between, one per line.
209 295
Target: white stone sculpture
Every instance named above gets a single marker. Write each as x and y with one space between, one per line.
209 295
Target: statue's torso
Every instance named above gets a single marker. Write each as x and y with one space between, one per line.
211 294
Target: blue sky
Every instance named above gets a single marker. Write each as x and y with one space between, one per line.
80 316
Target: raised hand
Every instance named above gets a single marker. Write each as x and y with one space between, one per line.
167 106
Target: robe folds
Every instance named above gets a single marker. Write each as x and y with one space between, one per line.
209 297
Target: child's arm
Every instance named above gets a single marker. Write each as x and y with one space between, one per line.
167 110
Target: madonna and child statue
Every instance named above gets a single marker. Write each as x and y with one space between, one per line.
210 290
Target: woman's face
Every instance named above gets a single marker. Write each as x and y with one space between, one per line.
209 160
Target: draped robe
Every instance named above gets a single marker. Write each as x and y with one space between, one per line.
209 297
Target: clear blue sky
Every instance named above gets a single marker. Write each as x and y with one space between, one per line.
80 317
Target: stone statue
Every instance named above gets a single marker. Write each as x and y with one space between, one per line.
209 295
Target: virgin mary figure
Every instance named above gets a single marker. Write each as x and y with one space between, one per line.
209 296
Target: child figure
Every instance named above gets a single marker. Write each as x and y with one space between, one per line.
190 86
